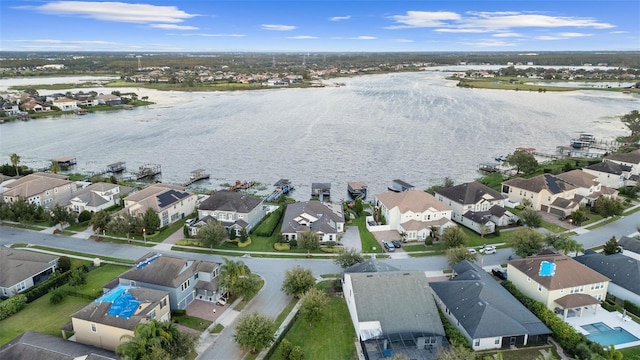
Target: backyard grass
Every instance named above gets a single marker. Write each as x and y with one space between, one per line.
192 322
523 353
98 277
80 254
331 338
631 353
369 242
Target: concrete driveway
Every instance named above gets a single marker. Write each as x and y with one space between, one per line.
351 238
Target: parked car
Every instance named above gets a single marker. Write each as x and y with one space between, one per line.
472 251
396 244
488 249
389 246
499 273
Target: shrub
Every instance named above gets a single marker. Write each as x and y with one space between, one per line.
269 223
189 243
57 295
330 244
244 244
179 313
293 243
496 232
281 246
428 241
84 216
64 264
12 306
454 335
53 282
632 307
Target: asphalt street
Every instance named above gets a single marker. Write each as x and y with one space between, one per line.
271 301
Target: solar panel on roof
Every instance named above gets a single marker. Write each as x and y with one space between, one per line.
547 268
552 183
170 196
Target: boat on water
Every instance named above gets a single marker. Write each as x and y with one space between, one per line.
80 112
500 158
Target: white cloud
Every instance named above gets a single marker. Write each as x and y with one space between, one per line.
562 36
173 27
507 34
210 35
404 40
549 37
356 38
340 18
451 30
302 37
573 34
272 27
490 43
618 32
117 11
423 19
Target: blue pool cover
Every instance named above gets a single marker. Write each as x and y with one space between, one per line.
123 304
547 268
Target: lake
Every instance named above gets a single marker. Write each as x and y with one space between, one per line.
416 127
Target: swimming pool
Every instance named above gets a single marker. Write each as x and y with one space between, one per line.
604 335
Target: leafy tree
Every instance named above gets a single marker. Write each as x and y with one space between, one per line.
484 230
297 281
457 254
62 215
15 161
230 273
247 286
447 183
308 240
64 264
572 245
243 235
454 237
78 277
608 206
54 167
611 246
578 216
526 242
358 207
57 295
523 161
632 120
254 332
314 305
348 257
100 220
531 218
212 233
151 221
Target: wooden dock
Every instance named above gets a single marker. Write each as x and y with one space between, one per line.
283 187
241 185
197 175
148 170
117 167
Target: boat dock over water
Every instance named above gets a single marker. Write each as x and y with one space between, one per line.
283 187
357 189
148 170
197 175
241 185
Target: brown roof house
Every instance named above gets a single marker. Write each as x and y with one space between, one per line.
22 269
326 220
104 321
413 212
42 189
558 281
170 202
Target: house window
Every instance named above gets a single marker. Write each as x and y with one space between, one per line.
598 296
476 342
132 282
93 327
163 303
497 341
152 314
185 285
21 286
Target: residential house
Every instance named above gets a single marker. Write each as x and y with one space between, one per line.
170 202
32 345
22 269
96 197
485 312
35 106
10 109
109 99
184 279
612 174
562 284
560 194
631 159
234 209
413 212
476 205
39 188
623 271
65 104
393 312
326 220
630 246
107 319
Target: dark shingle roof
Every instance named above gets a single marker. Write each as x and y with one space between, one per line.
17 265
630 157
629 243
371 265
609 167
32 345
230 201
401 301
483 307
470 193
480 217
324 213
622 270
167 270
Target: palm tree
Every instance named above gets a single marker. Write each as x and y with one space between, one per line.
572 245
230 272
146 338
15 160
55 167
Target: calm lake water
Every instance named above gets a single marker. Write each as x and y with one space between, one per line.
416 127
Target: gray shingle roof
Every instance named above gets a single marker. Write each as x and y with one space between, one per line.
167 270
326 217
629 243
470 193
632 157
609 167
622 270
483 307
17 265
371 265
32 345
401 301
230 201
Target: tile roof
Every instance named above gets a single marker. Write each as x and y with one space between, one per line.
411 200
17 265
470 193
230 201
484 307
34 184
377 298
569 273
158 196
622 270
579 178
32 345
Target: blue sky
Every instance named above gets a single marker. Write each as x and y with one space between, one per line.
316 26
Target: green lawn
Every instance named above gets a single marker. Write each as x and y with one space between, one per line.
76 253
44 317
632 353
331 338
369 241
192 322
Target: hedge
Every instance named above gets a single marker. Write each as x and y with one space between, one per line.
632 307
454 335
53 282
12 305
281 246
268 224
